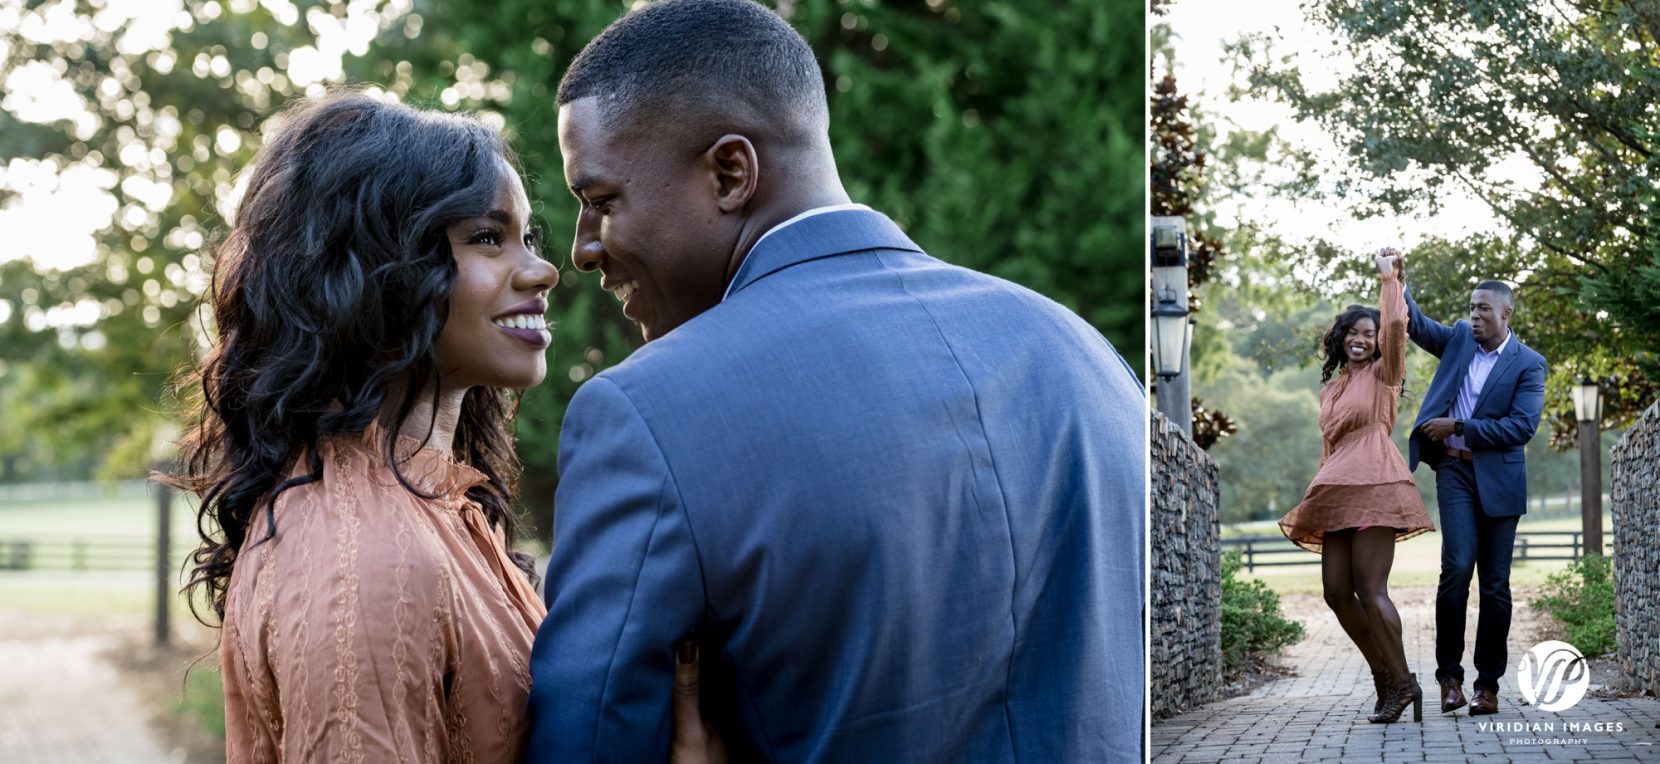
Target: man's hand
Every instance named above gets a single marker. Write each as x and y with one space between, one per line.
1439 428
695 742
1389 260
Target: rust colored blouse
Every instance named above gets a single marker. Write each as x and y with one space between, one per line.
1363 480
377 626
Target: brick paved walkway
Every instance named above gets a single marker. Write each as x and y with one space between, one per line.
1320 714
61 702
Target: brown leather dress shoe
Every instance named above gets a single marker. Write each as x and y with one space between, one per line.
1452 695
1486 702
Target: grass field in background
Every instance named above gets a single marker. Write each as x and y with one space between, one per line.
57 589
96 521
116 517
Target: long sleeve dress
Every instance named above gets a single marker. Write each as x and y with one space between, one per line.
377 626
1363 480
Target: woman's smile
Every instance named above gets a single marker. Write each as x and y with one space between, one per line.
526 323
529 329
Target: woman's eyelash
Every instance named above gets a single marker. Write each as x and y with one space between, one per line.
494 237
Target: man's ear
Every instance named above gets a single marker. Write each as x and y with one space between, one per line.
1507 311
734 171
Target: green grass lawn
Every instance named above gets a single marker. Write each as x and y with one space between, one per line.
117 532
115 517
123 595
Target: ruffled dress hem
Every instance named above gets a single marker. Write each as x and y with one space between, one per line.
1334 507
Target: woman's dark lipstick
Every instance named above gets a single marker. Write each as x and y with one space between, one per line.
525 323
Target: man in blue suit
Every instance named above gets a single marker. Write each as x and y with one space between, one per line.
1473 427
898 504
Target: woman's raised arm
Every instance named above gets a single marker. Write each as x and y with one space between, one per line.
1391 367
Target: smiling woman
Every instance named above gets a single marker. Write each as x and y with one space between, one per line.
377 301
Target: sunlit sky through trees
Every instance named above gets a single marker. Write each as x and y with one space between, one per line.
126 127
1207 73
58 210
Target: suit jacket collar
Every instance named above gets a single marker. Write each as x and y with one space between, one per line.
825 235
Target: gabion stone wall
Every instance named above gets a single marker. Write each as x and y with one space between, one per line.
1186 596
1635 495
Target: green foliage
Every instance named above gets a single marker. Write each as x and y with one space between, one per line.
986 153
92 396
1005 137
1453 95
1251 620
204 700
1581 596
1255 348
1176 177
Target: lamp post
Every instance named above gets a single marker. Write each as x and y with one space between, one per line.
1171 324
1588 409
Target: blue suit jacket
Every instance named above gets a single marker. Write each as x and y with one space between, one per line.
900 501
1506 413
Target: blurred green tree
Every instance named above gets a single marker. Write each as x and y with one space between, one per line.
1005 137
1459 95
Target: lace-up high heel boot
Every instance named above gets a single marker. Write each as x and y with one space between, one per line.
1401 694
1380 680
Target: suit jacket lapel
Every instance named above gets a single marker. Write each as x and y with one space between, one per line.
823 235
1499 368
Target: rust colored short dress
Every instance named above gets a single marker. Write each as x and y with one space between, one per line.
1363 480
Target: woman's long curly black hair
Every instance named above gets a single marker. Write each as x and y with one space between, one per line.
328 294
1332 344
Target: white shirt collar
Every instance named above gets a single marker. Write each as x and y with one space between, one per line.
1502 345
780 226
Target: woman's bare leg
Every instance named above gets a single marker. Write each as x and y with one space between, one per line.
1336 576
1372 556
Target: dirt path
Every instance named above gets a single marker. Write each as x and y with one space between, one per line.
64 700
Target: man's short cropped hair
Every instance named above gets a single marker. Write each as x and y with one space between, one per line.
722 65
1499 288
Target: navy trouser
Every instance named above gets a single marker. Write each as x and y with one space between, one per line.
1471 542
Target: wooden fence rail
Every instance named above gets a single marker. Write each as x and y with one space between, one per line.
1274 551
84 553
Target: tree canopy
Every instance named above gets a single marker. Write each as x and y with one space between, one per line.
1543 110
1003 136
1279 284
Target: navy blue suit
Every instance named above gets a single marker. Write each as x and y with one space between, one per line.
900 503
1479 500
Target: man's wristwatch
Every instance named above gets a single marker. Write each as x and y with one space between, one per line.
1458 427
